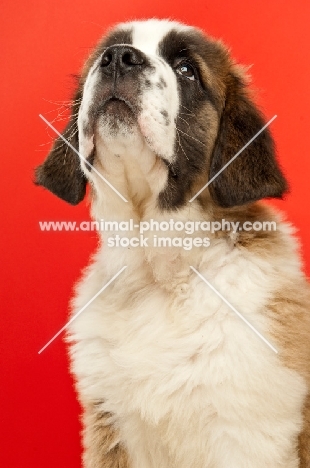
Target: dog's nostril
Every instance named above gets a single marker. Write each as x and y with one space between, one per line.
127 58
106 59
130 58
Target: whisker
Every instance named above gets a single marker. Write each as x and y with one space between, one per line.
61 117
185 113
184 120
55 110
179 140
190 136
64 102
191 113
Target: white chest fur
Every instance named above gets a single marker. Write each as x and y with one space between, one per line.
179 370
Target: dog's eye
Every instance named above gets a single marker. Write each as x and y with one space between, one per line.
186 70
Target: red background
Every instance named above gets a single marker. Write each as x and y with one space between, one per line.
43 42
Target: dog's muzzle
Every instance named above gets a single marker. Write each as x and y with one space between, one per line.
120 71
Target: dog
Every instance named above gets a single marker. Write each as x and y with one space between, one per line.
167 374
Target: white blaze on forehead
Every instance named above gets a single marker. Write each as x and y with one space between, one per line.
147 35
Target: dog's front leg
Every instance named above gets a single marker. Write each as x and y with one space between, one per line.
102 446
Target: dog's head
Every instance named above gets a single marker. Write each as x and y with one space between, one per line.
161 90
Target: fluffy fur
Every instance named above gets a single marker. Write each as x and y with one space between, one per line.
168 375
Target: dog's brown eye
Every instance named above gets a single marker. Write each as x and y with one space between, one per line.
186 70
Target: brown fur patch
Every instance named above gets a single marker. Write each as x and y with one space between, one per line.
289 310
259 241
254 174
102 447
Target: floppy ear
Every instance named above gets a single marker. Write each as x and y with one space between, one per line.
61 172
255 173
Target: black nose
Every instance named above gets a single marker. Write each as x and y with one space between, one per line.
121 58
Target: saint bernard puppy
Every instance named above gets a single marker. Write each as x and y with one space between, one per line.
168 375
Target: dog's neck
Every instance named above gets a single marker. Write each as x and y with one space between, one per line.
134 170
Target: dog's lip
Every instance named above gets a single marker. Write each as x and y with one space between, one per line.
118 99
114 98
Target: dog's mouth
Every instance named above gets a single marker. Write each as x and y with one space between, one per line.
118 107
117 112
